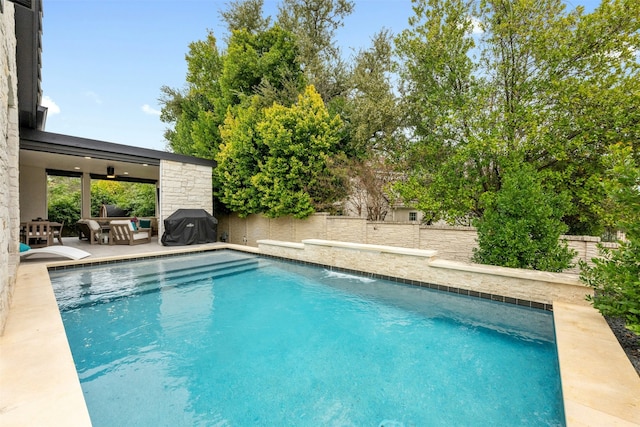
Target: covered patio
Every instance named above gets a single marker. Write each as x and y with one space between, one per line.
180 181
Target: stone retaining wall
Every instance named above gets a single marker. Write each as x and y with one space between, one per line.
516 286
452 243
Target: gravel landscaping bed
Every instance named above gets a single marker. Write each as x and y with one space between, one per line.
629 341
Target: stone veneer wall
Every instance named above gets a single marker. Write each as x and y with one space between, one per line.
523 287
9 149
183 186
452 243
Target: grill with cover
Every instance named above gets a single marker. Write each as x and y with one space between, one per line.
189 227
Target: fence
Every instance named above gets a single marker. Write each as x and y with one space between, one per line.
451 242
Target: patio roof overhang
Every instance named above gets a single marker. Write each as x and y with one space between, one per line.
75 155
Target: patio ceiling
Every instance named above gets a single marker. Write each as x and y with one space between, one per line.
80 164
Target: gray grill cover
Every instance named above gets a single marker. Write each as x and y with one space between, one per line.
189 227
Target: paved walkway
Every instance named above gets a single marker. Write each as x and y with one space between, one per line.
102 251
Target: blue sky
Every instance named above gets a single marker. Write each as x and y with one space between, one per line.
104 61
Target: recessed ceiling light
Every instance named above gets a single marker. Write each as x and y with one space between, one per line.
87 157
77 168
125 173
145 164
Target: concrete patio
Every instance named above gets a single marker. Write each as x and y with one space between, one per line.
102 251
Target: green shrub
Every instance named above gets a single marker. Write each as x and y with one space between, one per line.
63 202
615 277
616 280
65 209
521 225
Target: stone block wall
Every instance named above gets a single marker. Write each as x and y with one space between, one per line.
404 235
183 186
452 243
9 148
257 228
523 287
346 229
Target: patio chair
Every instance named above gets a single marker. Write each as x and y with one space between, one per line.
56 232
89 229
122 232
38 234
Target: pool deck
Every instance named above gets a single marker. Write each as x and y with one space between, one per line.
39 384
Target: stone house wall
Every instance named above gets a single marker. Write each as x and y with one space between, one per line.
9 148
183 186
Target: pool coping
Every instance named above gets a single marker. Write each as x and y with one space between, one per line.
599 384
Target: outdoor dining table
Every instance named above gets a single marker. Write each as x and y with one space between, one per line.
53 226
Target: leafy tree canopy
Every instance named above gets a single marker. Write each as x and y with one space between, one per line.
262 63
245 15
493 83
314 22
277 160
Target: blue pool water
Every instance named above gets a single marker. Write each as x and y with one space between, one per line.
229 339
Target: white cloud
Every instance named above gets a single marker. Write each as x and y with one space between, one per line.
52 107
630 49
149 110
94 96
476 26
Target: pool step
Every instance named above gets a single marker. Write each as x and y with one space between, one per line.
181 271
216 273
214 270
163 280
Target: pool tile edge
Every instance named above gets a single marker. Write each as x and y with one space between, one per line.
600 386
36 362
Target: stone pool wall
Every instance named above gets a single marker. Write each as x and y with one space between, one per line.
523 287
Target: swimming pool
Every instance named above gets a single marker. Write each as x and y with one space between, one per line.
226 338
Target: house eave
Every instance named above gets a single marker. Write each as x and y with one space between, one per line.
37 140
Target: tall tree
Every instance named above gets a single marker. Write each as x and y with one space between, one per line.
263 64
196 111
542 86
374 119
245 15
277 161
314 22
257 62
373 109
441 95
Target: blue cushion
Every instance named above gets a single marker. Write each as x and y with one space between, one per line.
24 248
145 223
135 227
